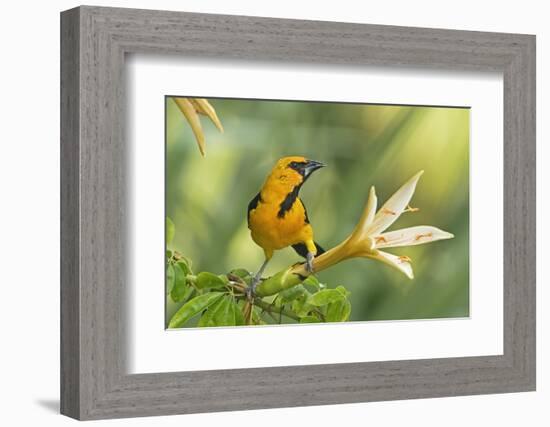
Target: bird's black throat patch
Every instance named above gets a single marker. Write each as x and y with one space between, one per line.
288 202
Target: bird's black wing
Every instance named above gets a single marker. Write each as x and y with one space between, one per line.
253 205
301 249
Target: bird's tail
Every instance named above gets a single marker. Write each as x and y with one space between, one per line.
301 249
320 250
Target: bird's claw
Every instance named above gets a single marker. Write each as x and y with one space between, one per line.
251 289
250 292
309 263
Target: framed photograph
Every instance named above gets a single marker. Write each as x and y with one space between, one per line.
262 213
252 165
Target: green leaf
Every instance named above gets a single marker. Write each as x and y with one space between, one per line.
241 272
290 294
192 307
170 231
180 258
178 291
207 280
221 313
338 311
256 316
170 278
301 306
168 255
239 307
312 283
325 296
208 317
343 291
239 318
184 266
309 319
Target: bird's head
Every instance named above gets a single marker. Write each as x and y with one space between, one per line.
294 170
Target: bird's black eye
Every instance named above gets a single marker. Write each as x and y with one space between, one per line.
293 164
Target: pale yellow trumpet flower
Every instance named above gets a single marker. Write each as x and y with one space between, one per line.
369 236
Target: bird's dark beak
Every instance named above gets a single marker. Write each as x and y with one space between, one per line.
311 166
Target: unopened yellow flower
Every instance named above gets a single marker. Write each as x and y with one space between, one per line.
191 108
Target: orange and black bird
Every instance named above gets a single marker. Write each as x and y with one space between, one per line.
277 218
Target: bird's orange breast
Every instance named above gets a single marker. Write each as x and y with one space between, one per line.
272 231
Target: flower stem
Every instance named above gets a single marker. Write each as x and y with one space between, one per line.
296 274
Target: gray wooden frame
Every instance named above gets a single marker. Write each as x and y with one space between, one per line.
94 41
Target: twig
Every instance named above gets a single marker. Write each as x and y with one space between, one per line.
269 308
247 313
320 314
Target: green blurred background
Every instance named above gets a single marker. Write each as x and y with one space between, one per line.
362 145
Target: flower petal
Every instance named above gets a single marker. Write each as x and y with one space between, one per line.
394 207
401 263
204 107
411 236
370 210
192 117
367 217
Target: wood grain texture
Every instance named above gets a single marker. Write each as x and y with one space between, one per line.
70 292
95 276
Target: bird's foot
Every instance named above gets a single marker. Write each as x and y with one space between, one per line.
309 263
251 289
250 292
